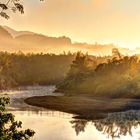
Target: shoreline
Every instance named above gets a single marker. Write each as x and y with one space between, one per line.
84 107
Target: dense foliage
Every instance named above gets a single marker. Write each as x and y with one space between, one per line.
18 69
9 128
117 76
14 5
11 5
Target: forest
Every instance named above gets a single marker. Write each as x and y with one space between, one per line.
80 73
115 76
19 69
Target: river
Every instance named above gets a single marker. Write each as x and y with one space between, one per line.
55 125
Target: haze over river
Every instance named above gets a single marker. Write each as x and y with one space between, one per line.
55 125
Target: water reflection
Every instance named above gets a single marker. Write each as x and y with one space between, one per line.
79 125
115 125
55 125
45 113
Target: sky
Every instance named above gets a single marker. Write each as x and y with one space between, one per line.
102 21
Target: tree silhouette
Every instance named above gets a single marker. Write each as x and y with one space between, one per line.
9 128
11 5
114 125
79 125
118 124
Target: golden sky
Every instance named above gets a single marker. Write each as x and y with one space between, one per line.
103 21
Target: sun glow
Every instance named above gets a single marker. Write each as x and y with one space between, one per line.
89 21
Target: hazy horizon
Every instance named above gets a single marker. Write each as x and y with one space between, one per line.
32 42
88 21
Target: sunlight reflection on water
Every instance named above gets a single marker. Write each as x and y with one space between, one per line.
55 125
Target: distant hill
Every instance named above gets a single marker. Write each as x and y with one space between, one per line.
100 49
4 34
42 40
6 40
15 33
26 41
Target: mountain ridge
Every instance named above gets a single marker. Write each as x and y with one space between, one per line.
16 33
28 41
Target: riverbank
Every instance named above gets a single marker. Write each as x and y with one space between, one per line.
84 107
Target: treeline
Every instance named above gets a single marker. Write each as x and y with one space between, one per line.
19 69
115 76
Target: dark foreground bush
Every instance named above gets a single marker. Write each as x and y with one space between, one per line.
9 128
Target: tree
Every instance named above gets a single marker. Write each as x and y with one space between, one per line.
79 65
116 53
9 128
12 5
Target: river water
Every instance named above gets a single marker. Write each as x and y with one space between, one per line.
55 125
